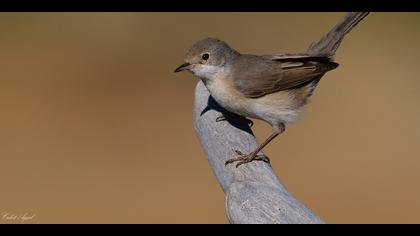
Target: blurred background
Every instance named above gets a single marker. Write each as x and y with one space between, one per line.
96 128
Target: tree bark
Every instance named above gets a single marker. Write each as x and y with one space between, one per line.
253 193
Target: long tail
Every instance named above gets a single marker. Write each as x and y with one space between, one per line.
328 44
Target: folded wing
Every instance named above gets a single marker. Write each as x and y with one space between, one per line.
268 74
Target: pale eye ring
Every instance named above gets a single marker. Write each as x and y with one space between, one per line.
205 56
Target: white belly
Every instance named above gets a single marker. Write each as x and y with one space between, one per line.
272 108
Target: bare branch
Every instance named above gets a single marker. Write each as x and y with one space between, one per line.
253 192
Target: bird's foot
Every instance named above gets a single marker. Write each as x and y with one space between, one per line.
246 158
234 117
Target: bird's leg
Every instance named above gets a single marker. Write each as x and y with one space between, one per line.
245 158
232 116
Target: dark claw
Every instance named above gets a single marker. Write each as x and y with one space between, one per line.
242 159
249 122
263 158
235 117
241 163
229 161
220 118
239 153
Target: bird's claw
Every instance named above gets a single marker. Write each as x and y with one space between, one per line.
249 122
240 118
220 118
246 158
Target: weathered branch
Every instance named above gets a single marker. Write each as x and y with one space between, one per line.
253 192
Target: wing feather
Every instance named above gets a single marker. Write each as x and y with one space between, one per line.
262 75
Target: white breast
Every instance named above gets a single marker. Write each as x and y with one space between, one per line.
227 97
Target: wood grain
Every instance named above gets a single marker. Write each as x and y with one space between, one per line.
253 192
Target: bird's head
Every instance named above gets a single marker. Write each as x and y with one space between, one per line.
208 57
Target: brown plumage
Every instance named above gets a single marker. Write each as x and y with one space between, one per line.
265 76
273 88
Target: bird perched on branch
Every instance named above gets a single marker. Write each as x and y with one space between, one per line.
272 88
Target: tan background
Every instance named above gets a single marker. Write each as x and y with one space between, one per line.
96 128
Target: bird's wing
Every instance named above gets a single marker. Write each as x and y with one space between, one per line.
262 75
296 56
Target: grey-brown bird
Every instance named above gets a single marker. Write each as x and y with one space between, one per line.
272 88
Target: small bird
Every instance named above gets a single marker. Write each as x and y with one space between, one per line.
272 88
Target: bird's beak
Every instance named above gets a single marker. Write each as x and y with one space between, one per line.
182 67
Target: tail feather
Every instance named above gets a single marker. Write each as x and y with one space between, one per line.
328 44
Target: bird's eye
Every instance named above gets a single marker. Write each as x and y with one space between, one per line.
205 56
